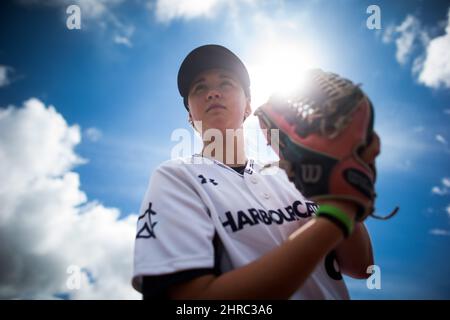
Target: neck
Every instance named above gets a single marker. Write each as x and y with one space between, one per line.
228 147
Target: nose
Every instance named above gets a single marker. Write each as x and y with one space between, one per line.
214 94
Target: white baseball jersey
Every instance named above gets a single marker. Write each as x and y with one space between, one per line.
200 216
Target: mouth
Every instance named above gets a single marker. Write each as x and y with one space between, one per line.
215 106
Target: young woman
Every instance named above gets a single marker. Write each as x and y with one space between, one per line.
214 226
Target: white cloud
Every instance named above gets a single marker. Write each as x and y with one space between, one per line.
123 41
440 232
436 66
408 35
439 191
167 10
441 139
94 8
444 189
389 34
447 111
4 75
124 38
446 182
448 210
46 223
408 32
93 134
431 65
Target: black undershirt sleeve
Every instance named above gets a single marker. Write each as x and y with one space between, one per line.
155 287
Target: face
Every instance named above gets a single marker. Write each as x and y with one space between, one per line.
217 99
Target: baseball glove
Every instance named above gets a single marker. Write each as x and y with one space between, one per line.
327 144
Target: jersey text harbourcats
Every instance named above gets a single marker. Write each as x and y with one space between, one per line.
255 216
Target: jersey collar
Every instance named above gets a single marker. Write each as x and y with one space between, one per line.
249 168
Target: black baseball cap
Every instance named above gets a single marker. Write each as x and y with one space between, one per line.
207 57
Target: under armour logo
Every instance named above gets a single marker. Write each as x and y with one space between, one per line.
147 231
311 173
204 180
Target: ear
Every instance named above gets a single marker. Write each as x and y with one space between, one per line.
248 109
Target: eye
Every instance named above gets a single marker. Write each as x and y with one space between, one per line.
226 83
199 87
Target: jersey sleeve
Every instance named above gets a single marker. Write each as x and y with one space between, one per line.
174 230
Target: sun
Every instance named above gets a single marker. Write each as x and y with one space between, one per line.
278 67
275 67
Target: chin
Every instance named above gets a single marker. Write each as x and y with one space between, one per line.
221 123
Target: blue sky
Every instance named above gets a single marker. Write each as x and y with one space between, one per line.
114 82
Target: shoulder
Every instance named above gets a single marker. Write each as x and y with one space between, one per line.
176 165
171 179
179 168
182 162
171 165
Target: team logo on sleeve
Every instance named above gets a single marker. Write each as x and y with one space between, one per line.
148 229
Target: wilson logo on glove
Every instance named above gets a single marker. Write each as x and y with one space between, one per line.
311 173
